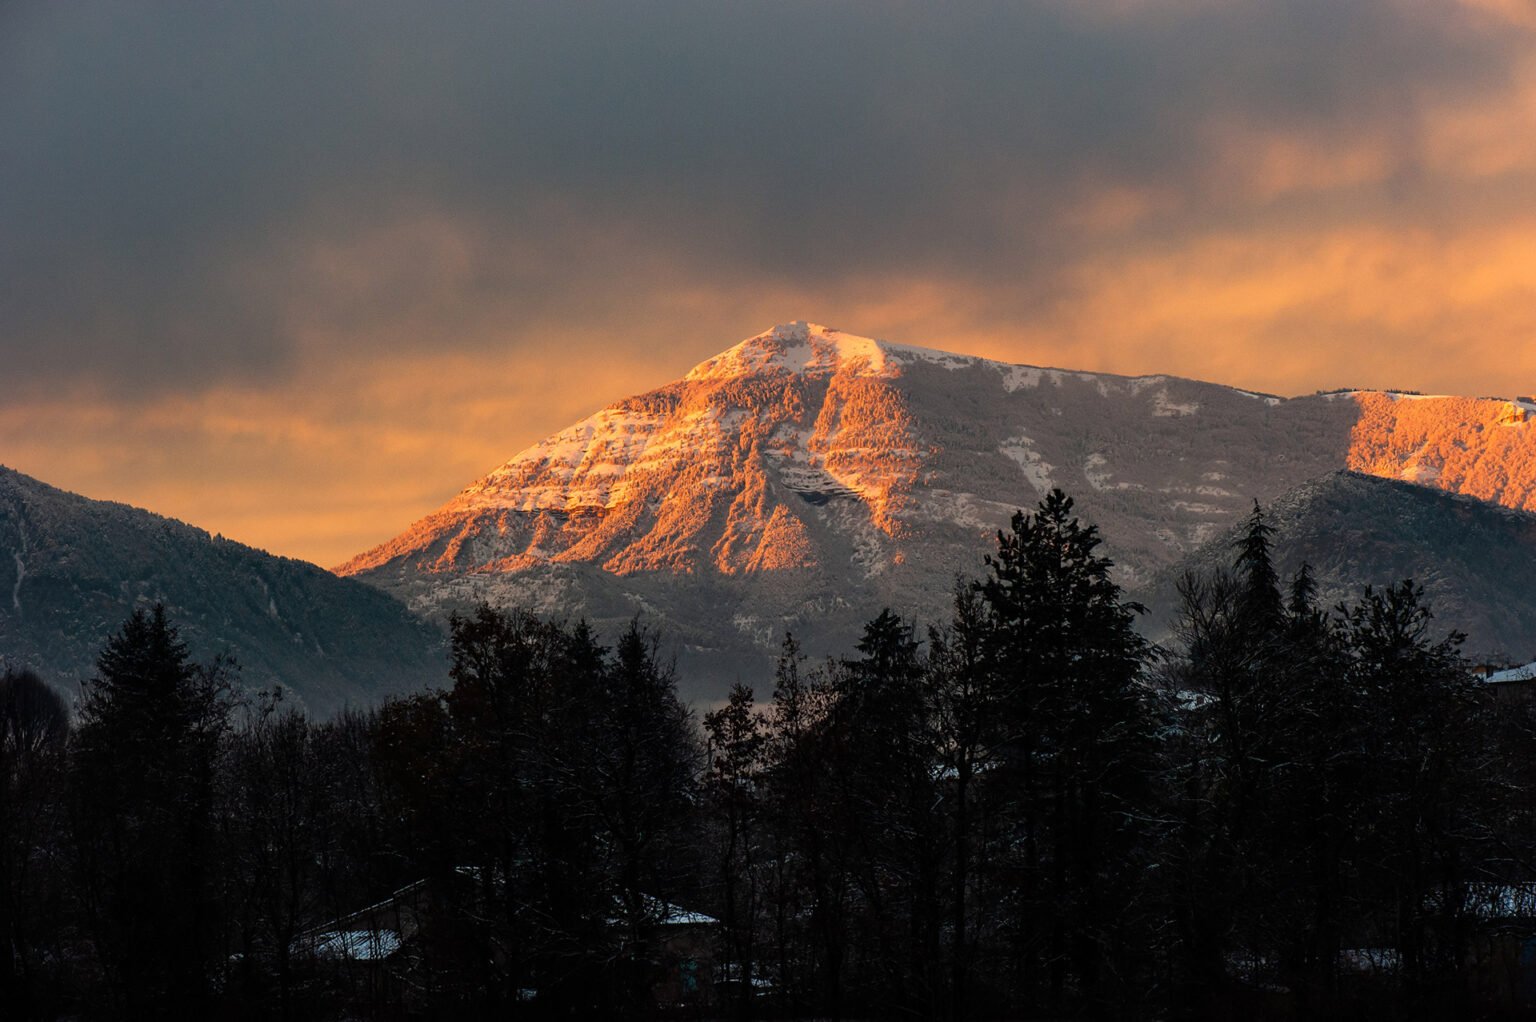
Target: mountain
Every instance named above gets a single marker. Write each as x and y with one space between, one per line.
73 569
807 477
1475 560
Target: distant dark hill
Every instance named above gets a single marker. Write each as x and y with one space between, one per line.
72 569
1476 561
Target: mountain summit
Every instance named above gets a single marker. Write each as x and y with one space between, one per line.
807 476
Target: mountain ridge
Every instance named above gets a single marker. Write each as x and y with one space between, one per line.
72 569
1474 559
807 471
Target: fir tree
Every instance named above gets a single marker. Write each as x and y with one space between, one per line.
151 729
647 761
1428 798
1065 663
733 788
1256 570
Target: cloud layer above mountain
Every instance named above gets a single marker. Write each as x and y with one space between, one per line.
250 248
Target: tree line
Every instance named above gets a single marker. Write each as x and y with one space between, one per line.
1025 811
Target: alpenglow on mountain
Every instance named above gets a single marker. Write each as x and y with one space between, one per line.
807 477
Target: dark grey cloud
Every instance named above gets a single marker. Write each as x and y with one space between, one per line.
163 168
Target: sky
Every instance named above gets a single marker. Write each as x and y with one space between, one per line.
299 272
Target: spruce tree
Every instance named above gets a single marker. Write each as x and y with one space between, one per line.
1243 776
647 762
887 790
152 724
1065 661
965 737
1428 779
1256 570
734 797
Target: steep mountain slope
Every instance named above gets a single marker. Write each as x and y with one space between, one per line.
1475 560
806 477
72 569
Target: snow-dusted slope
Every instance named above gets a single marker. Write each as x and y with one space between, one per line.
73 569
1474 559
806 477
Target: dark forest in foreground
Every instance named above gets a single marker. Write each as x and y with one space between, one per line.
1024 812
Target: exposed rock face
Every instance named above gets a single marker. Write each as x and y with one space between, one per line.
807 477
72 570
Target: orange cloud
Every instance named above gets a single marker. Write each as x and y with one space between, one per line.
339 454
1355 306
1489 136
1517 12
1299 257
313 467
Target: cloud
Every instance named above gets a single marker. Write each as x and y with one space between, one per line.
327 242
179 175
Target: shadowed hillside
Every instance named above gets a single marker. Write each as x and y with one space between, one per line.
72 569
1475 560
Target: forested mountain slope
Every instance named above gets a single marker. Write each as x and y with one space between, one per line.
1476 561
72 569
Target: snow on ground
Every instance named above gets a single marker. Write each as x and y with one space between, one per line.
1093 470
358 945
1165 407
1526 672
1021 450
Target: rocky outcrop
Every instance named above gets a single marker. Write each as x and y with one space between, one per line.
807 477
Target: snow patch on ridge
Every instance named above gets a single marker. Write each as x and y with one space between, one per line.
1268 399
1093 471
1022 450
1165 407
21 568
1019 377
801 348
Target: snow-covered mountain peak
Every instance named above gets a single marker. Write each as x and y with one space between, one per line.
779 480
813 350
808 349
